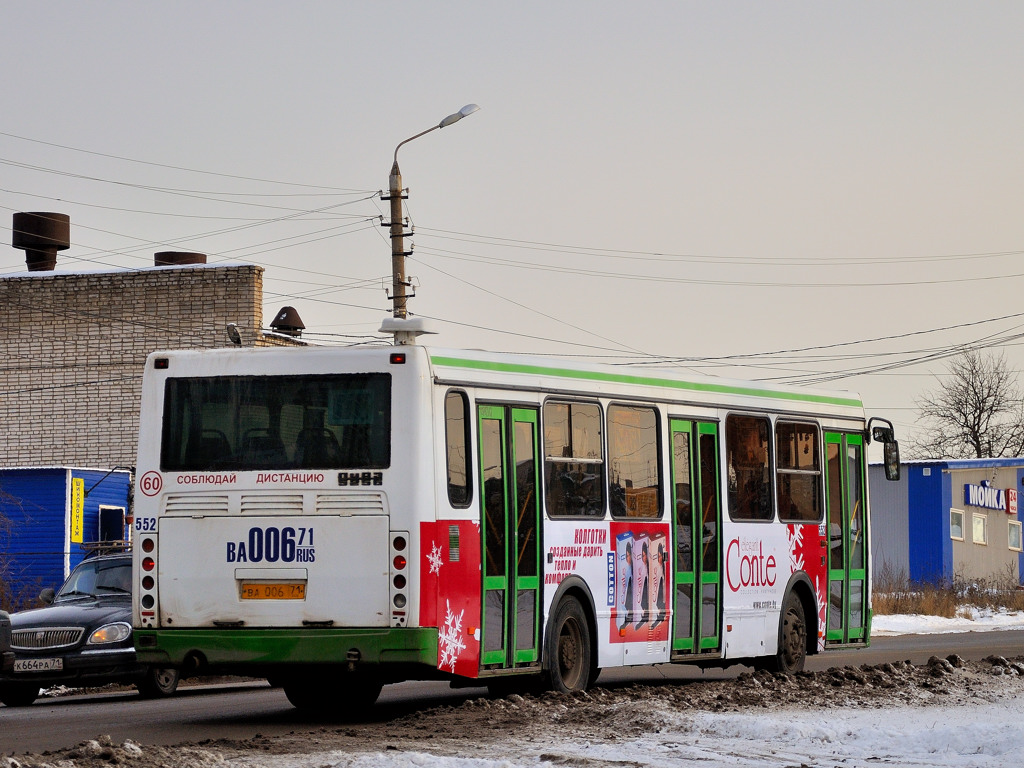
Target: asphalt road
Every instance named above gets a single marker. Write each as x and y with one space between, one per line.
242 710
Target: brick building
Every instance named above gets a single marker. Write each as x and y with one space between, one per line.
74 345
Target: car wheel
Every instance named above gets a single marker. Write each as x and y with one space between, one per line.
158 682
18 694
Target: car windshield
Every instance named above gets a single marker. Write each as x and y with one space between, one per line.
102 577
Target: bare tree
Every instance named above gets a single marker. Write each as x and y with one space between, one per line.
977 412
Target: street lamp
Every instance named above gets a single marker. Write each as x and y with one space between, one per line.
399 282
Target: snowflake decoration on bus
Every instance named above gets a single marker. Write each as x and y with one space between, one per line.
796 537
449 639
434 558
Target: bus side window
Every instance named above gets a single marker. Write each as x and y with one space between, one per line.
634 480
456 429
798 472
573 460
750 480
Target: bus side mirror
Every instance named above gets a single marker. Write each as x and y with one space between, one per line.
891 459
890 448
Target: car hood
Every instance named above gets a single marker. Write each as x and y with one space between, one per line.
77 613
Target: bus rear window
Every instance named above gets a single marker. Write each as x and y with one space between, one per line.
337 421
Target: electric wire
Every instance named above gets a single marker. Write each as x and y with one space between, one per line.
576 250
177 167
657 256
668 279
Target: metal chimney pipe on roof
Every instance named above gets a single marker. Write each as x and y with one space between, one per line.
41 235
288 322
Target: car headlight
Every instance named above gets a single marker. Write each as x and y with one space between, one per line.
111 633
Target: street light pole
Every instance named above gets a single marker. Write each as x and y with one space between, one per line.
398 252
399 282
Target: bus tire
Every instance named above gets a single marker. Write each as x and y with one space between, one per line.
569 648
158 682
792 653
18 694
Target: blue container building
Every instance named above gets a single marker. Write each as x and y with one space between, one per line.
949 520
42 533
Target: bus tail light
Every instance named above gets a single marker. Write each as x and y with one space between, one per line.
146 586
399 579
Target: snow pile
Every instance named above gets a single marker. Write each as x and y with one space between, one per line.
981 620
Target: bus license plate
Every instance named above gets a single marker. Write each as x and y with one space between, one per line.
38 665
275 591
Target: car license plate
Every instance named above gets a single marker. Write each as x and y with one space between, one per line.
38 665
273 591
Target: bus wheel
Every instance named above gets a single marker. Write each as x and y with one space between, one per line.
792 639
18 694
569 649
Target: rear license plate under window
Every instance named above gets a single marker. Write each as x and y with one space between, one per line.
38 665
273 591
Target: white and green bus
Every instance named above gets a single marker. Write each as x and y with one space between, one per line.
339 519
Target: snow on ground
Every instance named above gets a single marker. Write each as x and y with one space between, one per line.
989 736
942 715
981 621
986 733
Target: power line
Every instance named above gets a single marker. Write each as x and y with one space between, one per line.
666 279
658 256
180 168
837 345
69 201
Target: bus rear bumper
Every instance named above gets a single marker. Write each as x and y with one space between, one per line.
253 651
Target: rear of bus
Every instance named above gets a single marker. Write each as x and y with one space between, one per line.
274 513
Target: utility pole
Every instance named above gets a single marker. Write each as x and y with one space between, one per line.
399 282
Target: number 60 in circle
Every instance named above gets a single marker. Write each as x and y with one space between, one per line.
151 483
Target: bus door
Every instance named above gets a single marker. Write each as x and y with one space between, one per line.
847 538
697 533
510 522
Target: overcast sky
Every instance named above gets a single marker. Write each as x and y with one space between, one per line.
679 181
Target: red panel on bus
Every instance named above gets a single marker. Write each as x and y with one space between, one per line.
808 550
450 597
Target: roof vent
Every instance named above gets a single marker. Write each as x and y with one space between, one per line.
178 258
288 322
41 235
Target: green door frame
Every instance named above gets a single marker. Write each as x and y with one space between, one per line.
697 626
510 532
845 491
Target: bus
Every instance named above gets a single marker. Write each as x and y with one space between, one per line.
337 519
